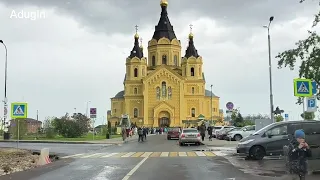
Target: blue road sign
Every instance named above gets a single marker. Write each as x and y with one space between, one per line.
302 87
19 110
286 116
314 88
312 104
229 105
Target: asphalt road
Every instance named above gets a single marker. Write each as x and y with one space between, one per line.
155 159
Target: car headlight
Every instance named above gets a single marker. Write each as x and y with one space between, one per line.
247 141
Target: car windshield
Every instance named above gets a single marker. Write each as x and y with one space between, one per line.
174 129
217 127
190 131
263 129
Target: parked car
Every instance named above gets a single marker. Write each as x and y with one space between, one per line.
173 133
270 140
221 133
189 135
215 128
243 132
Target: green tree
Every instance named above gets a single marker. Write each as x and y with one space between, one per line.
307 52
48 128
71 127
278 118
308 115
21 127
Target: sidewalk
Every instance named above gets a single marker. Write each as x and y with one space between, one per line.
106 141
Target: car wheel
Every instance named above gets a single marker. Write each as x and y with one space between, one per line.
168 138
238 137
198 143
181 144
257 152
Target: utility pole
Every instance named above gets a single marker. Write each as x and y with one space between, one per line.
211 106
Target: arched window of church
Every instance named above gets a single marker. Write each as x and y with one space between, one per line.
175 60
135 91
192 71
169 92
164 59
164 89
193 112
158 92
192 90
135 112
153 61
135 72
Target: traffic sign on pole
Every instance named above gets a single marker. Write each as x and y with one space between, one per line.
93 112
286 117
229 105
19 110
302 87
312 104
314 88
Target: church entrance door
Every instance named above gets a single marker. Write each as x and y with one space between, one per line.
164 119
164 122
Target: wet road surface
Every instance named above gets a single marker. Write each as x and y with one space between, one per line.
156 159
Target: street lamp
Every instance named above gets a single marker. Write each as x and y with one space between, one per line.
87 108
270 70
5 101
211 105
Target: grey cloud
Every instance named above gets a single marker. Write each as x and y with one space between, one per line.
110 16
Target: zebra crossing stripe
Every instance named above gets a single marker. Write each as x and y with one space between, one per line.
128 154
164 154
146 154
109 155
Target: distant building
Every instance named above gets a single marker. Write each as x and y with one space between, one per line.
33 125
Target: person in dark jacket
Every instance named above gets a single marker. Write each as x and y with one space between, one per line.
209 129
140 134
145 132
298 153
202 130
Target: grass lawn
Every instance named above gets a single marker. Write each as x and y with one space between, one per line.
88 137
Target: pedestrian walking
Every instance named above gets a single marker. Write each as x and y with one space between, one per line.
298 153
202 130
140 134
209 129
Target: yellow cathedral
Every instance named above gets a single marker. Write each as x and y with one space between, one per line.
168 87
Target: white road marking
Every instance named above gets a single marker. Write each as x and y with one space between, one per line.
146 154
71 156
219 153
128 154
109 155
91 155
135 169
104 173
164 154
200 154
182 154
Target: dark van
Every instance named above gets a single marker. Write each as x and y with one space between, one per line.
270 140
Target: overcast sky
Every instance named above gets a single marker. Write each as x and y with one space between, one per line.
75 51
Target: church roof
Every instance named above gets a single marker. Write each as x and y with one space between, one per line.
164 29
191 49
136 50
119 95
208 94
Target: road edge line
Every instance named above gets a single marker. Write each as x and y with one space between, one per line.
134 169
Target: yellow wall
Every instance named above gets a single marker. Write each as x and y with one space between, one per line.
187 91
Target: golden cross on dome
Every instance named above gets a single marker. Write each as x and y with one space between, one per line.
190 28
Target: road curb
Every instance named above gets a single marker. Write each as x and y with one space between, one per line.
60 142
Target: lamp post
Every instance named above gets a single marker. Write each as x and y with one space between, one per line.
87 108
211 105
270 70
5 100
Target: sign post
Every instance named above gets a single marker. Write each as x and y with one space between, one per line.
286 117
229 111
312 104
93 116
19 111
303 88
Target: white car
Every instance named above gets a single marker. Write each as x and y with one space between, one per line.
221 130
243 132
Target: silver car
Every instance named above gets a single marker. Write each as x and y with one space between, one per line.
189 135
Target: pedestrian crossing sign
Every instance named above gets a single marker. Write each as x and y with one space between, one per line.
302 87
19 110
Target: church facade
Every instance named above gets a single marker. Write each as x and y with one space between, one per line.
168 87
